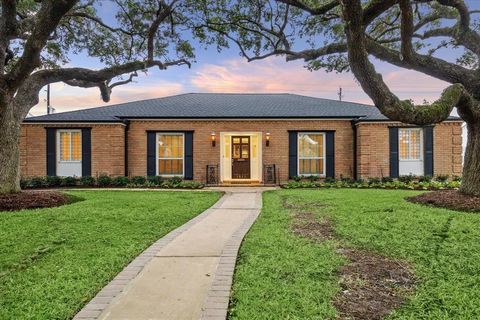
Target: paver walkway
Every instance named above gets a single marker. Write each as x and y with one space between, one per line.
188 273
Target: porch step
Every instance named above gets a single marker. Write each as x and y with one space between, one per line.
241 181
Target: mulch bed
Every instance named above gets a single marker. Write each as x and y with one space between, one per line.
33 199
372 285
450 199
306 225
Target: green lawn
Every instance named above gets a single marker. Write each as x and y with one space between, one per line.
53 261
282 276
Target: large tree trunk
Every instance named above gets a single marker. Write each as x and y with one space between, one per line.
471 167
10 126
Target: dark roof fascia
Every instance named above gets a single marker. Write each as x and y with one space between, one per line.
73 121
359 120
239 118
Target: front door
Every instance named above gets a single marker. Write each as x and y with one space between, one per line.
240 157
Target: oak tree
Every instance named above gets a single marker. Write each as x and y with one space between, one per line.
345 35
38 39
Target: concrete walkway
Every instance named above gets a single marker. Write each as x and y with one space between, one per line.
186 274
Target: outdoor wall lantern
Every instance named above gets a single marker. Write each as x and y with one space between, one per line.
267 137
213 137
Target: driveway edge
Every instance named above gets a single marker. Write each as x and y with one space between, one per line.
93 309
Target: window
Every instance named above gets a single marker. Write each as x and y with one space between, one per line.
410 144
170 154
70 145
311 154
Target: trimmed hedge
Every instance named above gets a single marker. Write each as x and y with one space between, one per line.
104 181
409 183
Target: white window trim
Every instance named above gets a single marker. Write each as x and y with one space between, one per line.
421 145
158 158
323 157
59 156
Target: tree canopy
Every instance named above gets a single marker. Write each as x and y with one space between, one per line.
412 34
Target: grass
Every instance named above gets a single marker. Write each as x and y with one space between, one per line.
53 261
282 276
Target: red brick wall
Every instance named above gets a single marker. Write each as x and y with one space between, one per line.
372 139
107 149
276 153
373 149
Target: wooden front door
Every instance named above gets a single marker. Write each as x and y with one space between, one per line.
240 157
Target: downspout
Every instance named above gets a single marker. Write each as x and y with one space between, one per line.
354 128
127 127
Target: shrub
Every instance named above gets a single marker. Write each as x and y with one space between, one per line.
457 178
36 182
406 179
387 179
69 181
53 181
138 180
175 180
87 181
120 181
313 178
442 177
297 178
346 179
330 180
24 183
425 178
104 181
155 180
373 180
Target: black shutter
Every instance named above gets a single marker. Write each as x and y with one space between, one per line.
292 154
151 149
86 152
428 146
330 154
393 137
51 152
188 156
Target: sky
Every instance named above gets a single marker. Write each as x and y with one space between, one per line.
228 72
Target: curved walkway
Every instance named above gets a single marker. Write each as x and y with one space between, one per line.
188 273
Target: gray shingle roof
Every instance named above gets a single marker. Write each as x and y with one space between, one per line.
220 106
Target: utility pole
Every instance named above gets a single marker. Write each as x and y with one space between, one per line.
340 94
48 98
50 109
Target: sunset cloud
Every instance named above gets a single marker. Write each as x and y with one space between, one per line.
272 75
276 75
67 98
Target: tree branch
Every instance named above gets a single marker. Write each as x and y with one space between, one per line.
313 11
373 84
48 18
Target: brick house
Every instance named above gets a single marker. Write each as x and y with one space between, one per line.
237 138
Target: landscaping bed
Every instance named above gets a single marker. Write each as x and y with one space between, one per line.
368 246
34 199
53 261
402 183
449 199
104 181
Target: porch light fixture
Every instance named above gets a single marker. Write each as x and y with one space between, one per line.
267 137
213 137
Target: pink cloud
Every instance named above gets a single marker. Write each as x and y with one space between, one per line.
66 98
276 75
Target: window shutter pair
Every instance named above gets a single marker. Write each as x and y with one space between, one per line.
52 152
293 153
428 151
188 154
